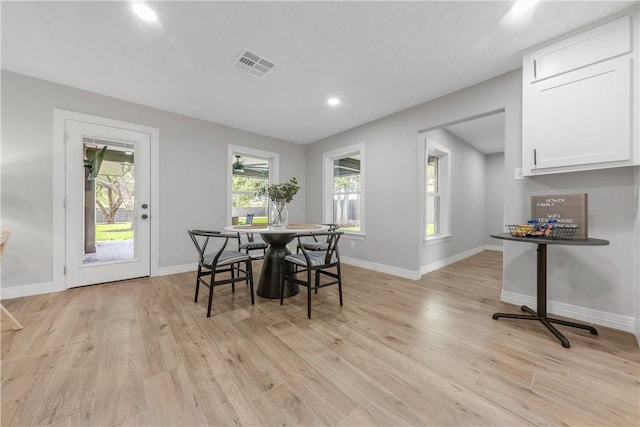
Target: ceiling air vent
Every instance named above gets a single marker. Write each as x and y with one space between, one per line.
253 64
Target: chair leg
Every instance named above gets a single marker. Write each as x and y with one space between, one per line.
197 283
250 260
309 293
339 283
317 281
250 279
213 275
283 277
233 283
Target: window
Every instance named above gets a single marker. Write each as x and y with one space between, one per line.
344 188
433 195
437 184
249 169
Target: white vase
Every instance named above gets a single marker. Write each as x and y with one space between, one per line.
279 214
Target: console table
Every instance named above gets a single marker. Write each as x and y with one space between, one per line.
541 282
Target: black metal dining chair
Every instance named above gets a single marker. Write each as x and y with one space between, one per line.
251 244
320 263
220 261
315 244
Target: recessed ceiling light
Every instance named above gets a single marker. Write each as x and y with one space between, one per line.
144 12
333 101
522 6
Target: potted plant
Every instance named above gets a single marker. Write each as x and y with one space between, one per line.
280 195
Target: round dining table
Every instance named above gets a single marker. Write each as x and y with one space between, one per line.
278 238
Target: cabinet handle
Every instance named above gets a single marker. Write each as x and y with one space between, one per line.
535 157
535 69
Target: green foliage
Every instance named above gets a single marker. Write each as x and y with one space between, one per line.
431 229
244 191
346 183
115 231
247 183
279 192
114 192
94 160
256 220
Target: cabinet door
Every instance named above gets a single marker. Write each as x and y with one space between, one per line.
588 47
582 117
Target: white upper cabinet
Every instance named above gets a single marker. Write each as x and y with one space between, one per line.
580 101
591 46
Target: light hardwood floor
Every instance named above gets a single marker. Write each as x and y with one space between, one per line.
399 352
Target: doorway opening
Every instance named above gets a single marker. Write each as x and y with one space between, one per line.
462 171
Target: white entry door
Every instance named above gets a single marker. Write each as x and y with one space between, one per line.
107 203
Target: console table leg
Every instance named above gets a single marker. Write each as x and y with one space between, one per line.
554 331
496 316
589 328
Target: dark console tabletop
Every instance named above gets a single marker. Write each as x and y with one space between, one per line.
544 241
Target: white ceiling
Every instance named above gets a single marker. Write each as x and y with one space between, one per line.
378 57
485 133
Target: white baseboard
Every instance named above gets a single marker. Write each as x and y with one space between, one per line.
48 287
27 290
611 320
499 248
415 275
447 261
176 269
382 268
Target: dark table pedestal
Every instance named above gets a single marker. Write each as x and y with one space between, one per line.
269 284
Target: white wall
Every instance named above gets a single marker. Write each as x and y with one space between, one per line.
192 166
598 284
391 168
494 197
599 277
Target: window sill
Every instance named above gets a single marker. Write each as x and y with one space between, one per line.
353 236
435 240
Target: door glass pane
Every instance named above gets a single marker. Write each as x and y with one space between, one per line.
248 173
109 188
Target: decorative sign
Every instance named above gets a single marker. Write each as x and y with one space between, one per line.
569 210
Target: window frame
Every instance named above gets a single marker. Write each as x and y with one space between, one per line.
433 148
328 159
274 169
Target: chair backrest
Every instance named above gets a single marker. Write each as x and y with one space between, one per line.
332 227
333 237
201 238
249 219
